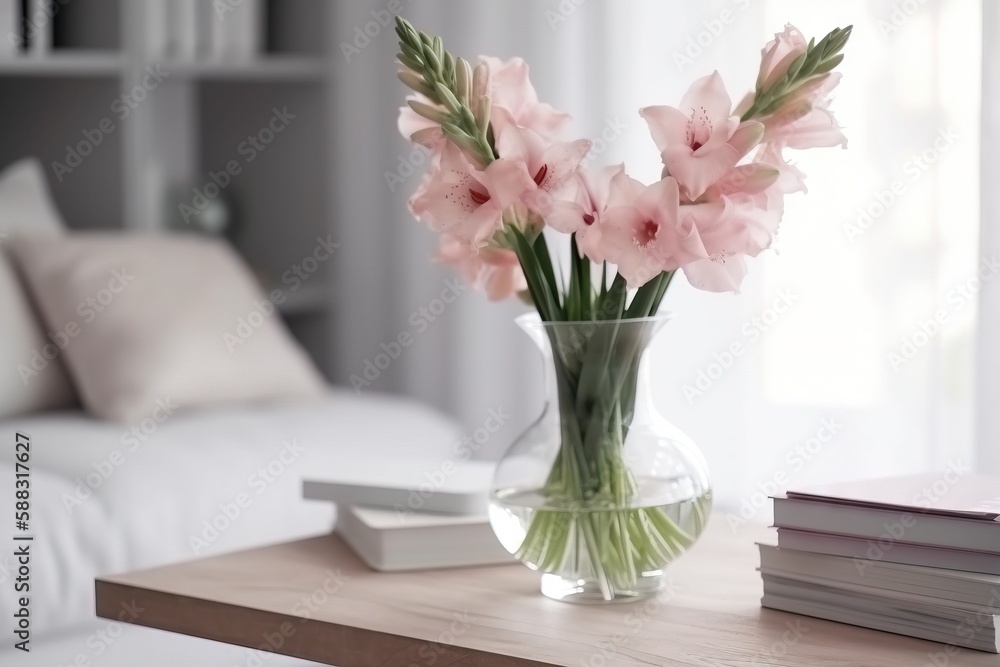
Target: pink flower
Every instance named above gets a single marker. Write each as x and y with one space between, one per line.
496 271
737 217
642 231
804 120
418 129
552 165
778 54
790 178
511 89
580 208
467 202
701 141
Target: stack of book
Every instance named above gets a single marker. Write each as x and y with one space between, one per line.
183 30
232 30
916 555
413 514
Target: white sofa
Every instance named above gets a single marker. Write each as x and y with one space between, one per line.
153 501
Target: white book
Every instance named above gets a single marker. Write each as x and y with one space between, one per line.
933 622
237 30
888 524
10 28
38 26
390 540
930 585
246 36
407 485
889 551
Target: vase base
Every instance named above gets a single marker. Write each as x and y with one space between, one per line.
581 591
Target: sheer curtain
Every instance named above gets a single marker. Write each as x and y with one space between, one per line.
857 333
858 330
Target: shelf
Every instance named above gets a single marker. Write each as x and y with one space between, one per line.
69 63
93 64
310 298
269 69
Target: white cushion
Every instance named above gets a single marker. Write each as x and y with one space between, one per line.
26 205
157 318
28 380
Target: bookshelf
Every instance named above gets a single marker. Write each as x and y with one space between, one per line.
174 129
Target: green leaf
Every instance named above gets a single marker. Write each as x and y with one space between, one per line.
544 260
825 67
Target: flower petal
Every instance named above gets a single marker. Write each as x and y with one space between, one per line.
708 95
667 125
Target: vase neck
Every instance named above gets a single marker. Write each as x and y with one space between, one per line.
597 365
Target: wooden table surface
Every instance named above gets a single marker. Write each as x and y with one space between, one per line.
315 600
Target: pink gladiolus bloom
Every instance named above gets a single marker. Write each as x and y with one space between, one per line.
778 54
643 233
790 178
467 202
580 208
510 88
701 141
496 271
418 129
805 119
513 91
737 217
552 165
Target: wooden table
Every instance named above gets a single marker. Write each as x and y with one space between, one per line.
315 600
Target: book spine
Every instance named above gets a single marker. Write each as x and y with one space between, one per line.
10 28
38 26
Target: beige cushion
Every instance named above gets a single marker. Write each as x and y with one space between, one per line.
155 320
32 376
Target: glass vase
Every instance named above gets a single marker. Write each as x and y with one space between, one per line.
601 492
